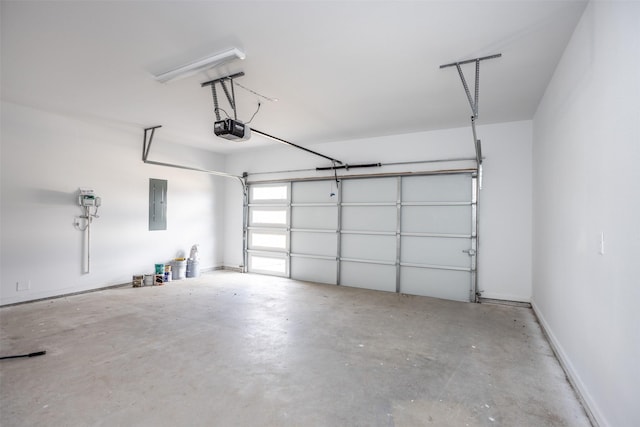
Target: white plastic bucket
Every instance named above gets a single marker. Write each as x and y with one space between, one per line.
179 269
193 268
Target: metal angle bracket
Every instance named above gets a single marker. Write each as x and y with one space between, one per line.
146 147
148 139
473 100
222 79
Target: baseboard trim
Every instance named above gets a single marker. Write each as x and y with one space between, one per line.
103 288
588 404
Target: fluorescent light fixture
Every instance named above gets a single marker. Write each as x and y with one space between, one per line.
200 65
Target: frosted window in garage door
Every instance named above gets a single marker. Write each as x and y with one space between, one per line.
268 236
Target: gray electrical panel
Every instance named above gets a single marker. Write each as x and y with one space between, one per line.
157 204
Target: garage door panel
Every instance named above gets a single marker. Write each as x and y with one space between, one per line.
436 188
435 251
313 192
370 190
369 247
368 276
314 270
437 219
369 218
446 284
315 217
310 243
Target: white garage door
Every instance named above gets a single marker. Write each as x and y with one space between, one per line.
438 236
409 234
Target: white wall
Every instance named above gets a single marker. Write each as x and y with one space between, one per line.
46 157
505 212
587 182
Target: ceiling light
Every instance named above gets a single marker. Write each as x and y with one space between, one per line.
200 65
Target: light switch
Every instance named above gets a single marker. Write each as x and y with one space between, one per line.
601 243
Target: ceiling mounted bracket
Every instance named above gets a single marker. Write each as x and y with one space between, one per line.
231 97
473 102
148 139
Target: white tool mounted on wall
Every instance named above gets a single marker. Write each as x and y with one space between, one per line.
89 203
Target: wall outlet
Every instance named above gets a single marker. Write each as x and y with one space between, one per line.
24 285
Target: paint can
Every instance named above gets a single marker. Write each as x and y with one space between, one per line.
148 279
158 279
193 268
167 276
179 268
137 280
159 268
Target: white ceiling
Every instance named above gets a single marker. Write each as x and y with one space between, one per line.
341 70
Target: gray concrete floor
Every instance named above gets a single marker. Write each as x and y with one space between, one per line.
228 349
